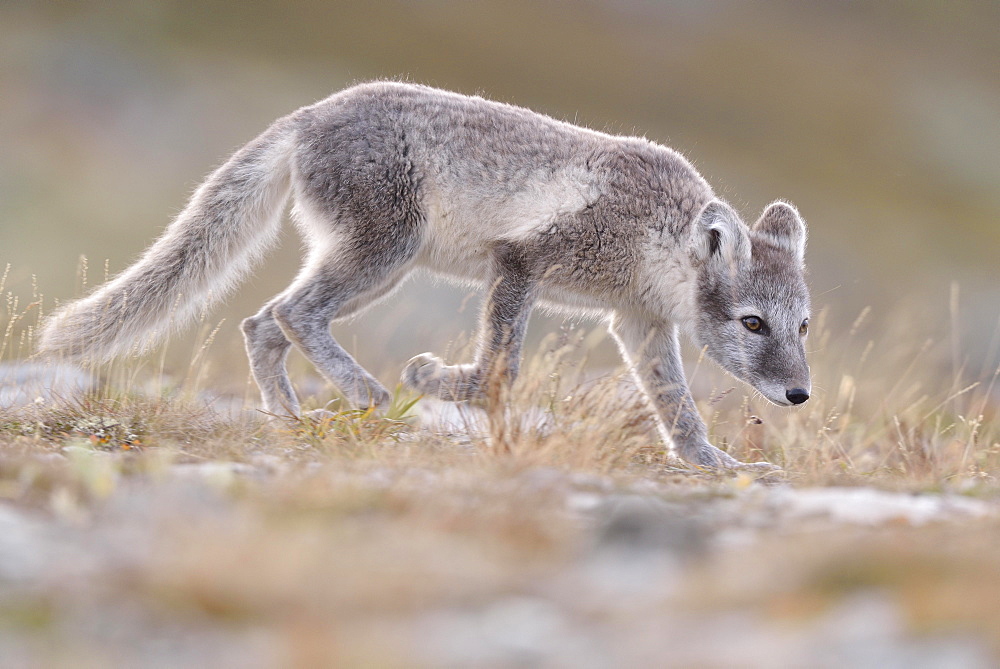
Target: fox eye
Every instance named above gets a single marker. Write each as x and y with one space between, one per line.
753 323
804 328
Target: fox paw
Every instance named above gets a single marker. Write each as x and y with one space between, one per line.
423 373
427 373
378 398
760 467
711 458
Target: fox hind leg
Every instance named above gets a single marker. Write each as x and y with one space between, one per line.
334 290
334 287
267 348
357 204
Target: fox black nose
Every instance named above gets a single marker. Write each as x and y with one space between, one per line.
797 395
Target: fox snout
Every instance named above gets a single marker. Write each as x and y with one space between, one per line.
797 395
790 391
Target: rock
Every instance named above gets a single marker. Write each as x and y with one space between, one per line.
869 506
23 383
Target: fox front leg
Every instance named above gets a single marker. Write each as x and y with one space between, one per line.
501 334
652 351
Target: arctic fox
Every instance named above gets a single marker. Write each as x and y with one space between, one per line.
389 177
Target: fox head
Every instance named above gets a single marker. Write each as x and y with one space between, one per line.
750 301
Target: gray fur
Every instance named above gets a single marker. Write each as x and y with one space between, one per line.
391 177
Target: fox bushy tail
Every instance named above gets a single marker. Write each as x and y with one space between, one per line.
231 220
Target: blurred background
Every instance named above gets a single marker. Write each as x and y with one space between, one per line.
880 121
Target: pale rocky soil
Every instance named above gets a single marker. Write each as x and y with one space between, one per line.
254 548
264 564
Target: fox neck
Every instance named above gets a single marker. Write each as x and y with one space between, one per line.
685 302
671 289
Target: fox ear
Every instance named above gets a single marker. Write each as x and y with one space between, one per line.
720 234
781 225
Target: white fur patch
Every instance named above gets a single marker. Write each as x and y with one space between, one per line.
464 225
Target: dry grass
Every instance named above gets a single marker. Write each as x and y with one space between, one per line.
510 539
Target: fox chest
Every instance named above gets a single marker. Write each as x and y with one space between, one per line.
457 241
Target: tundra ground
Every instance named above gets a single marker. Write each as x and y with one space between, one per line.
161 528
